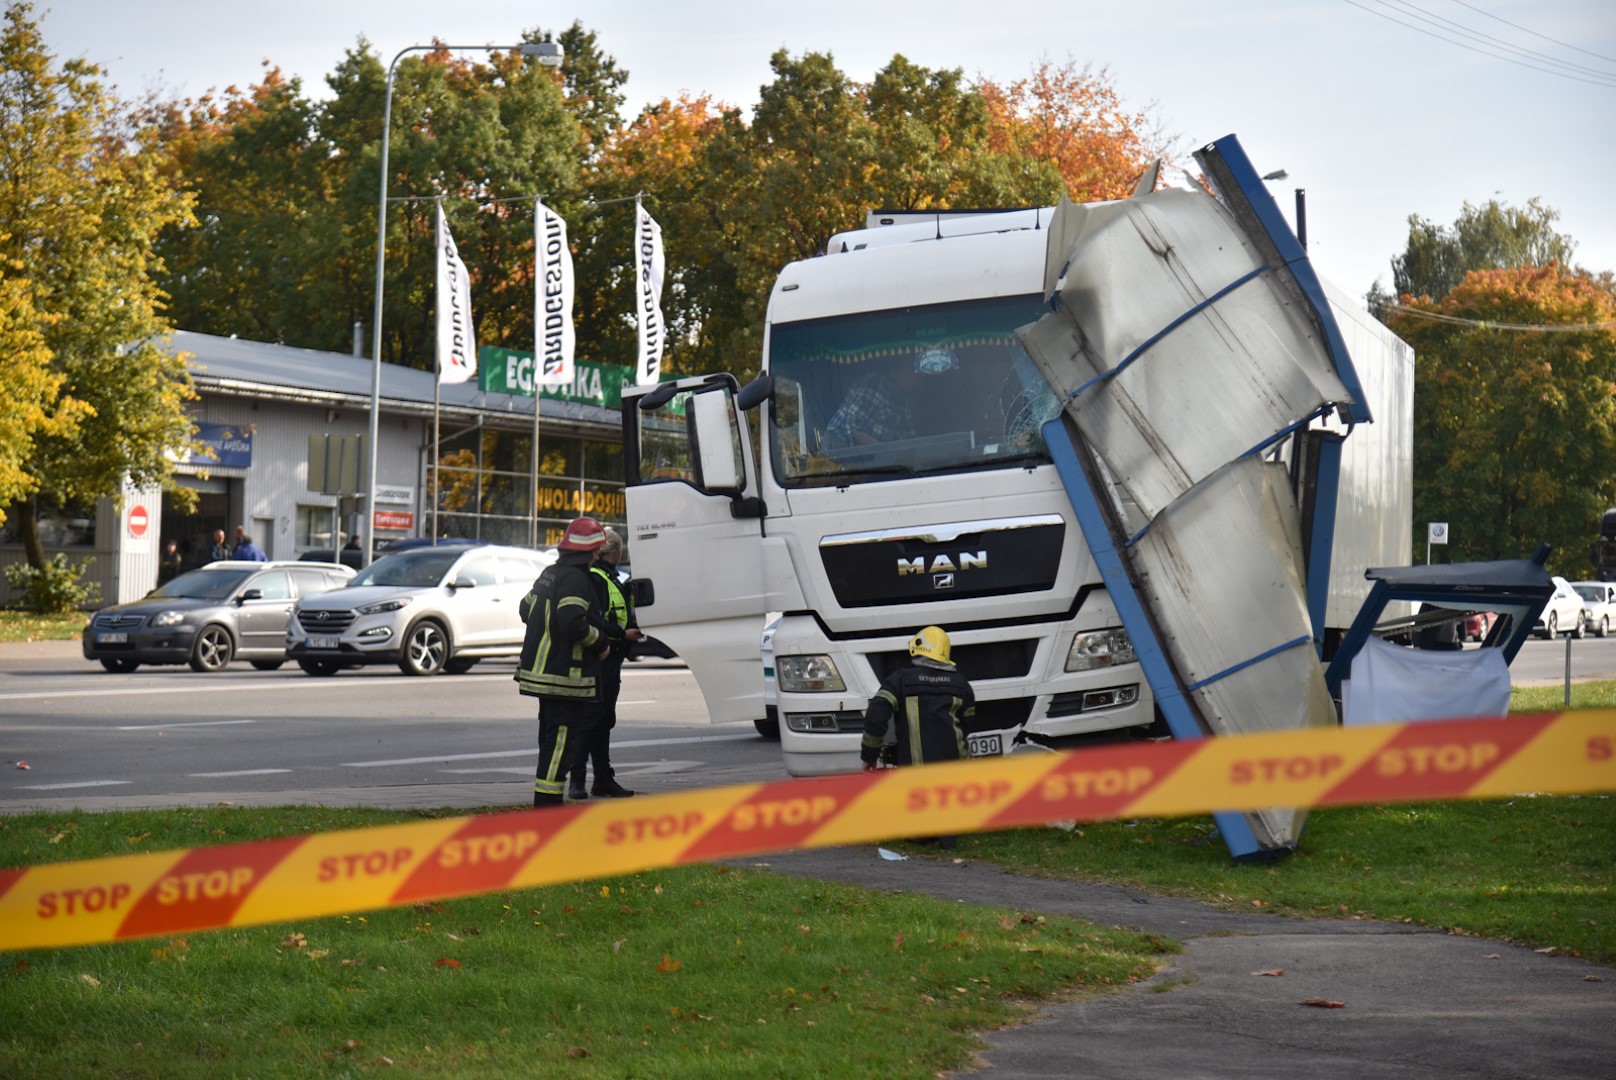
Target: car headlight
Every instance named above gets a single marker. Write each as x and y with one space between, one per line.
808 675
168 618
385 605
1100 649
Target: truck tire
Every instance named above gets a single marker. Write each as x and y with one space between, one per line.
769 729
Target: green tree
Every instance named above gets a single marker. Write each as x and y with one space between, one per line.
83 199
1493 236
1515 411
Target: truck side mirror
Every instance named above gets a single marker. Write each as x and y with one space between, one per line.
755 393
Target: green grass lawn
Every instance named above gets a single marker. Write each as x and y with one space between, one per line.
26 626
693 972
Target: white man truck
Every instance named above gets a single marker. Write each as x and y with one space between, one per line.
888 470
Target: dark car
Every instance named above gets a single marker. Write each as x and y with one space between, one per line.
350 557
210 616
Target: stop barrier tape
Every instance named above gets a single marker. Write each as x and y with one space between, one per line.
266 881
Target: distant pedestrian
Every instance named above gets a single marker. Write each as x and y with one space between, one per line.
241 538
218 551
168 567
247 551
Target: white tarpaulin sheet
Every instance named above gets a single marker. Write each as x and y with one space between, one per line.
1393 684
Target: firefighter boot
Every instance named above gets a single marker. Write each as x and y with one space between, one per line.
609 788
575 788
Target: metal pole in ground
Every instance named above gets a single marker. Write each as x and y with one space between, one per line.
1568 672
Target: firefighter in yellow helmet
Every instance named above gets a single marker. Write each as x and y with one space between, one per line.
926 706
568 634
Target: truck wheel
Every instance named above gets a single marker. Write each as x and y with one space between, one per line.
426 649
120 667
320 669
769 729
213 649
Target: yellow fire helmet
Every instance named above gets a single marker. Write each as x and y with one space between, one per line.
931 643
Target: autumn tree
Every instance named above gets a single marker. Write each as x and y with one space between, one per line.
82 200
1515 410
1493 236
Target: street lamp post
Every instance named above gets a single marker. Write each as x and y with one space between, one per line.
549 54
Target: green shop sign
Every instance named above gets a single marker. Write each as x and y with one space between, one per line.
510 371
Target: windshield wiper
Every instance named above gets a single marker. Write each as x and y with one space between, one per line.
840 478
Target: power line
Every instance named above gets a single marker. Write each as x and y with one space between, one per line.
1489 324
1534 33
1487 39
1608 83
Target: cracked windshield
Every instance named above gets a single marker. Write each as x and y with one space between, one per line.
886 394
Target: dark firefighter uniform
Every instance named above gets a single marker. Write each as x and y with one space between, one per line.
926 707
609 596
560 660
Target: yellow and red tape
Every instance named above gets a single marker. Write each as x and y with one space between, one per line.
98 900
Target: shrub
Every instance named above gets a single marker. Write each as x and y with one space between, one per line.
57 589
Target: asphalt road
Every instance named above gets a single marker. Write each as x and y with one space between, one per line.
168 735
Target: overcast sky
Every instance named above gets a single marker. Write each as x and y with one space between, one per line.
1379 108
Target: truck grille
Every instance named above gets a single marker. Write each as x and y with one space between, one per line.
325 620
989 660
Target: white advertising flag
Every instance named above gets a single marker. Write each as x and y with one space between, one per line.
457 348
651 268
555 336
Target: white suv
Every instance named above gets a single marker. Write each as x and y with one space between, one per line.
428 609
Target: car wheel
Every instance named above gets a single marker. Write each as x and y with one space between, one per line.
1576 631
426 649
318 668
213 649
1552 626
120 667
461 665
268 665
1604 626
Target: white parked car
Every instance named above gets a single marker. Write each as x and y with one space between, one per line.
427 609
1564 613
1599 600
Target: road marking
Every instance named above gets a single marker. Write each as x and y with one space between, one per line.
530 751
241 772
191 723
81 783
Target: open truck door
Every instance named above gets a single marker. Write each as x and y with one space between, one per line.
695 524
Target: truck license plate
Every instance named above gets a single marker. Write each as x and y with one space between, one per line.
109 638
326 642
984 745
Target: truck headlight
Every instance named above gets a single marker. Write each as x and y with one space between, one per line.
808 675
1100 649
168 618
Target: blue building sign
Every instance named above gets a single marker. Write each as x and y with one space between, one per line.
226 444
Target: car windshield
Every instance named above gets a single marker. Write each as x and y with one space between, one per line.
419 569
1591 593
204 584
886 394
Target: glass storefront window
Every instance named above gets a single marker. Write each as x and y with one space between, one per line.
316 525
60 525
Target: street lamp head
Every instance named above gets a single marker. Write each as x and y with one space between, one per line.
548 52
1277 174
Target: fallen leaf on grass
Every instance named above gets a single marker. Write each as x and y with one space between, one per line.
294 941
316 954
897 943
1270 971
1323 1003
617 946
577 1052
90 980
668 965
446 961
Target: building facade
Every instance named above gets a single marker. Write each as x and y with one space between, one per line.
260 404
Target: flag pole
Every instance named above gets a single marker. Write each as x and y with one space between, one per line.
437 371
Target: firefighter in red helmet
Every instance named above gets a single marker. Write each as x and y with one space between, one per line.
567 635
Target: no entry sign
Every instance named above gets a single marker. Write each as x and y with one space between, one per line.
139 520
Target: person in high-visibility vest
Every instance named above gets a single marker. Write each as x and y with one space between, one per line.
619 610
567 637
